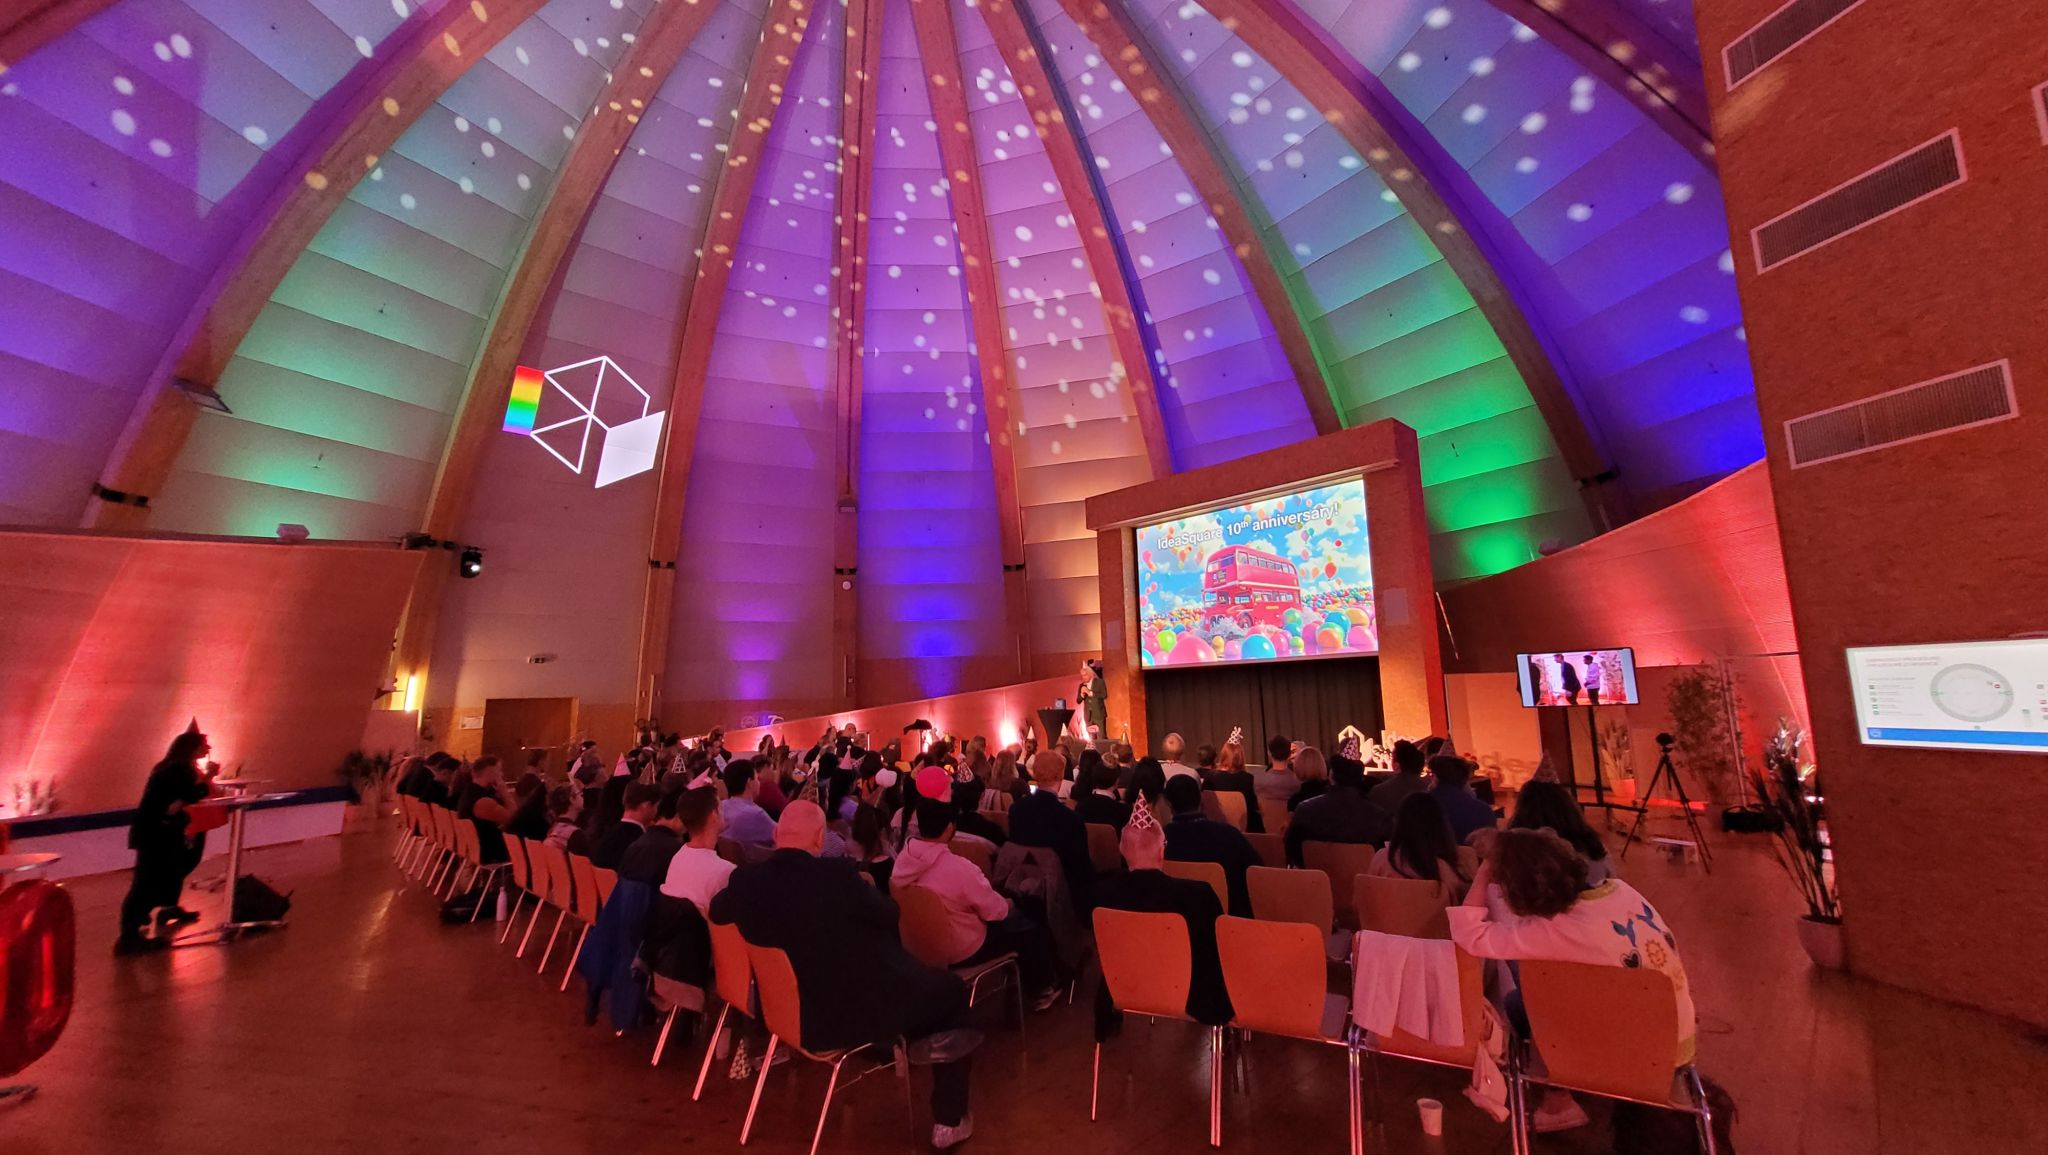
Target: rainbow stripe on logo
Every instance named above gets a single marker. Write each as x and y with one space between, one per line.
525 404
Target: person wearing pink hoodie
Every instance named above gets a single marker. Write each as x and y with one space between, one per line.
981 923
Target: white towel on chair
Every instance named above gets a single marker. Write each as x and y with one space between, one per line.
1407 983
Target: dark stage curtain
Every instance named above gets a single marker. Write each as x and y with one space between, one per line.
1308 701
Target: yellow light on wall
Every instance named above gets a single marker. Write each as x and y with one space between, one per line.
412 692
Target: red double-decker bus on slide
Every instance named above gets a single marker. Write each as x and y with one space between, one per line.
1249 587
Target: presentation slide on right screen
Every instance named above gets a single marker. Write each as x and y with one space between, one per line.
1957 695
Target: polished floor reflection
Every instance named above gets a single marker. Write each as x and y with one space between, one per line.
369 1026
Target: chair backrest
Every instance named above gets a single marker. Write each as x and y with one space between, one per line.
1276 973
1342 861
1608 1030
443 821
977 852
1281 895
1271 848
466 842
1472 999
1104 853
1146 961
1001 819
923 924
1224 806
406 818
1273 815
732 968
540 876
781 1004
1209 872
1411 907
730 851
586 898
521 859
606 880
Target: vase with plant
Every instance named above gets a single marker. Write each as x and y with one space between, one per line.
1618 760
367 775
1789 792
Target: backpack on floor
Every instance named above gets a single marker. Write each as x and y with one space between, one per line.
258 901
1644 1130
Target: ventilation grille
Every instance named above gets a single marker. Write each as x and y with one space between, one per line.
1877 194
1780 32
1944 405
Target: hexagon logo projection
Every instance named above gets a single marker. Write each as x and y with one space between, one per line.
560 409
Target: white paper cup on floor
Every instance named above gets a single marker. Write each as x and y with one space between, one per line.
1432 1113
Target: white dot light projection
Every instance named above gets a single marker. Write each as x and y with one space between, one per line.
142 147
126 179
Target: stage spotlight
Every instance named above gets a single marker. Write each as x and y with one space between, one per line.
471 563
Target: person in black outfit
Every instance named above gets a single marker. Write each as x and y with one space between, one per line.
529 808
1570 674
1099 804
1341 814
1147 889
1041 819
646 860
1194 837
970 820
639 801
857 983
163 855
483 804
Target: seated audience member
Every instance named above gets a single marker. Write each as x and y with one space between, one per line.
639 804
1090 761
872 844
1407 779
1549 806
1145 888
857 982
697 873
1226 772
1003 781
529 808
1312 772
483 803
1099 803
646 859
438 787
1279 751
1194 837
1041 819
565 805
1530 901
1422 848
981 924
969 820
745 821
1462 809
1205 762
1342 814
413 774
1148 788
1171 750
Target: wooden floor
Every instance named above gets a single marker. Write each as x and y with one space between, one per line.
369 1026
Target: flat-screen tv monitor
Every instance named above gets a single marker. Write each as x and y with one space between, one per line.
1578 677
1265 580
1953 695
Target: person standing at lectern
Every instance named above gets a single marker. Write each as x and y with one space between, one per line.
163 854
1094 695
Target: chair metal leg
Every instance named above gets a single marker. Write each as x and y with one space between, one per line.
1215 1086
661 1042
831 1085
577 954
518 900
710 1052
1017 982
1357 1097
549 953
1518 1103
440 861
1095 1087
1705 1112
767 1064
490 880
539 904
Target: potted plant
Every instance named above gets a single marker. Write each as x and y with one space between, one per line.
1699 701
1789 791
366 776
1618 758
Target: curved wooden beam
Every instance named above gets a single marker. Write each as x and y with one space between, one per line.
1277 32
1615 45
1077 187
940 55
385 96
704 298
1147 77
27 25
659 44
860 76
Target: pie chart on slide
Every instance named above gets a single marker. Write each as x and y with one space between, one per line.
1971 693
